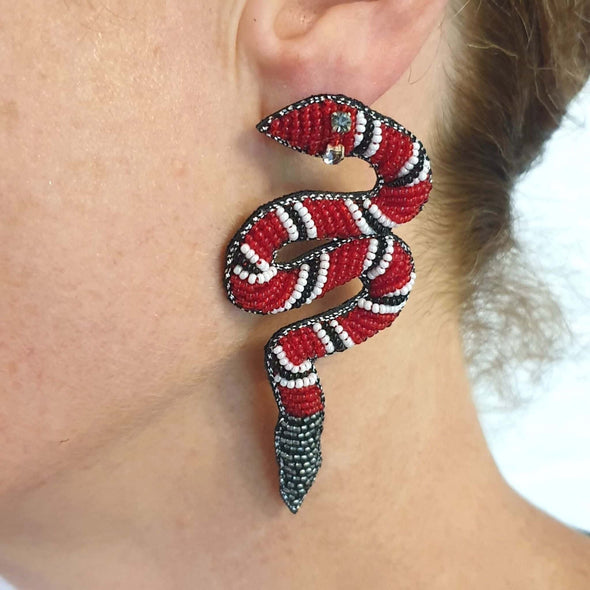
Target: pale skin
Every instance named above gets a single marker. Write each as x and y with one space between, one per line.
135 417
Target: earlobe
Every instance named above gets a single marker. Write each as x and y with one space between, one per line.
306 47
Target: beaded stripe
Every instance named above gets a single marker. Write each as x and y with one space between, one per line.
362 246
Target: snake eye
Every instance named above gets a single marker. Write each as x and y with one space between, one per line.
322 126
341 121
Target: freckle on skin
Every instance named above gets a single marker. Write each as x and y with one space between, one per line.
9 116
12 368
178 168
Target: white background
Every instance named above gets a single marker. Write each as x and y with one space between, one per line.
543 450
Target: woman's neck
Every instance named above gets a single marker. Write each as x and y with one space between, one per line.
408 490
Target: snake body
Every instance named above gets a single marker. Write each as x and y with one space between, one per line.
362 245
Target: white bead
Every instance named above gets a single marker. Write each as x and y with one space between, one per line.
306 382
375 308
244 274
317 291
245 248
299 383
237 269
317 326
339 329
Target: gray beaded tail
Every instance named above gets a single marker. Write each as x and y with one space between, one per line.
297 446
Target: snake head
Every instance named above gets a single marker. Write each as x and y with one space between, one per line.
328 125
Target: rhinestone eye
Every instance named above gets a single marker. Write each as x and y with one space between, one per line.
341 122
333 155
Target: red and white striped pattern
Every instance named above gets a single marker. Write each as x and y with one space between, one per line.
363 246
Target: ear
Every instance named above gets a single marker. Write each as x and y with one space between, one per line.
356 48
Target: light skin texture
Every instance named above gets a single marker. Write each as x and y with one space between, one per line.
136 421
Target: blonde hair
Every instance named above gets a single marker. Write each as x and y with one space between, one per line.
516 64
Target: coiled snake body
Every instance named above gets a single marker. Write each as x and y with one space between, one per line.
363 246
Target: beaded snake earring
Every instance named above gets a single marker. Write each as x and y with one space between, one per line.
362 245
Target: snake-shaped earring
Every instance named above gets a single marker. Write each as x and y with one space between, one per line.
331 127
